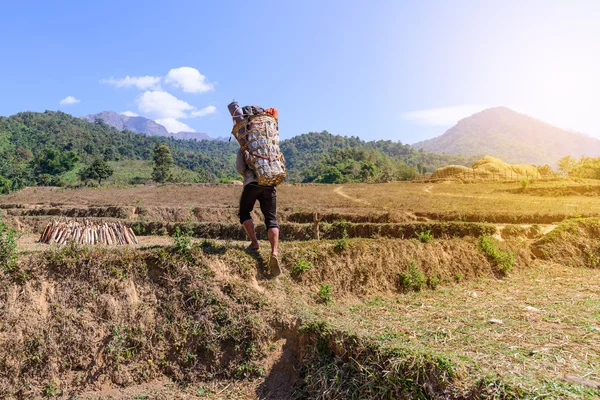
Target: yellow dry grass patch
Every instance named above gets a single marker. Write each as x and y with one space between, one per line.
547 324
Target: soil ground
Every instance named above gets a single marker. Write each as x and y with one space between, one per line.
537 328
481 198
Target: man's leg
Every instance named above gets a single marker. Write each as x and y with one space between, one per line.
247 201
249 228
268 206
274 240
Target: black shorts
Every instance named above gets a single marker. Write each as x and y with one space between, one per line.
267 198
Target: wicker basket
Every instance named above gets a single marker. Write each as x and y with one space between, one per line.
258 137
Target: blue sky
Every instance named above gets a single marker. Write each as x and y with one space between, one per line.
398 70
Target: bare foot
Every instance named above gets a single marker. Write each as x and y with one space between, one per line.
253 247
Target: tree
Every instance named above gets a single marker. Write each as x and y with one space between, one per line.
99 169
163 161
54 162
566 164
5 185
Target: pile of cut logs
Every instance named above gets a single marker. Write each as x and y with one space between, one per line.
88 232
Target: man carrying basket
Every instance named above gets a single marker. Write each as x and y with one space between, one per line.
261 164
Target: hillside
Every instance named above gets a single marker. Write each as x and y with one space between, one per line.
511 136
309 155
132 124
49 148
40 148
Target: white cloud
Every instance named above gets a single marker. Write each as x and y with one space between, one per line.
174 126
69 100
141 82
444 116
204 111
129 114
161 104
189 79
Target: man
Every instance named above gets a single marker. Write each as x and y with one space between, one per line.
267 198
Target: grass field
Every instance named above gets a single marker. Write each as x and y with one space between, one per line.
454 198
402 298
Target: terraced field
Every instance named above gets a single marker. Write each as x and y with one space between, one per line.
486 290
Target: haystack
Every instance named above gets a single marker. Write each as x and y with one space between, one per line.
487 168
497 166
88 232
451 172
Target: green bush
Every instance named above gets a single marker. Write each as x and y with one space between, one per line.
503 260
424 237
342 243
138 229
182 242
325 293
301 267
8 247
413 279
433 281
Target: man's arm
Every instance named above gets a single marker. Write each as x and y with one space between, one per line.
240 163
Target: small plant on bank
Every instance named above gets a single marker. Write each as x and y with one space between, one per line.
301 267
325 293
138 229
433 281
342 243
182 241
524 184
413 279
8 247
424 237
50 389
503 260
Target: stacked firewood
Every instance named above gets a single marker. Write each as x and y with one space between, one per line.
88 232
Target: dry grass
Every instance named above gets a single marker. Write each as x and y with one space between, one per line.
550 328
401 201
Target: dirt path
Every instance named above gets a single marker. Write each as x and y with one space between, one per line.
338 191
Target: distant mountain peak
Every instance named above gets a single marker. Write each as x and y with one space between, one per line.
133 124
510 136
143 125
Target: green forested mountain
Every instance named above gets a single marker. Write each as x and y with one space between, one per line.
37 148
46 148
310 155
513 137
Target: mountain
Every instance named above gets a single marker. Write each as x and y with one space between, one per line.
513 137
195 135
133 124
144 125
49 148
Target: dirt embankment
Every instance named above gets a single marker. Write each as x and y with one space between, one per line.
76 319
79 318
558 191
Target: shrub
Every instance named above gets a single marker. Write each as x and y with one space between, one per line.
8 247
301 267
342 243
413 279
424 237
138 229
503 260
433 281
325 293
524 183
182 242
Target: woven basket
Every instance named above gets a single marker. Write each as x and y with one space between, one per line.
258 137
